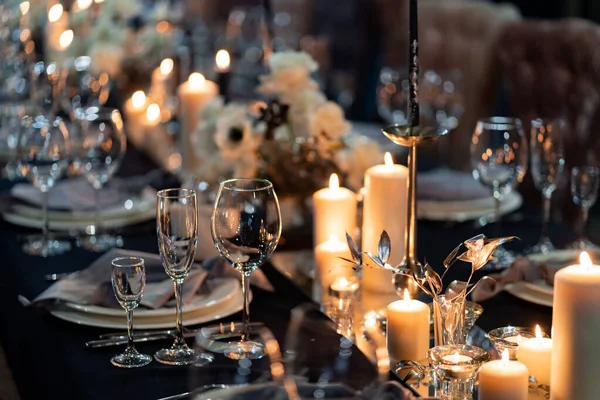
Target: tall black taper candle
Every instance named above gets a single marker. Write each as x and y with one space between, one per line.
413 65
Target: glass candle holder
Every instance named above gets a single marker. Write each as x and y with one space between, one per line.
343 293
509 337
472 313
454 368
449 320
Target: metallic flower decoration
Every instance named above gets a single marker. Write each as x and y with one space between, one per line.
479 251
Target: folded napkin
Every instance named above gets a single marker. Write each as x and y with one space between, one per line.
449 185
92 285
78 194
522 269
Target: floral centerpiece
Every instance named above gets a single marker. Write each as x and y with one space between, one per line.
295 137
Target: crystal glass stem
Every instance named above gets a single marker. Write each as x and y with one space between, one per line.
547 202
97 189
585 214
411 240
179 340
497 214
246 309
46 222
130 345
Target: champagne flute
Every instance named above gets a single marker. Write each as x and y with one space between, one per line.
547 163
246 227
176 228
499 160
584 189
42 157
100 149
128 281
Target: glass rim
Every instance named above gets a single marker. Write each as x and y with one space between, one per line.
499 123
182 193
267 184
134 261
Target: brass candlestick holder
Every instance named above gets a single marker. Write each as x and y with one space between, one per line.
411 137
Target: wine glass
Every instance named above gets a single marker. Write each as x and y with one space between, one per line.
99 150
176 229
547 163
246 227
42 157
83 86
584 189
128 281
499 160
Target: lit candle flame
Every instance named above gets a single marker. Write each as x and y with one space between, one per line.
538 332
505 357
222 60
138 99
83 4
196 80
456 358
388 160
24 7
334 182
333 239
166 66
153 113
370 319
55 12
585 260
406 295
519 338
65 39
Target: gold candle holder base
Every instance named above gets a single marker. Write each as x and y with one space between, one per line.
411 137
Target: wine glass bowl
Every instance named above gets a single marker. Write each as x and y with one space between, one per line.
585 182
246 227
499 160
176 228
99 149
547 164
128 280
42 157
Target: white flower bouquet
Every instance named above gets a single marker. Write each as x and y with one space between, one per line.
297 138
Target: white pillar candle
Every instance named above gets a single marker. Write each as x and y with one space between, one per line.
135 115
329 265
334 211
193 95
575 372
162 80
503 380
384 209
407 329
536 354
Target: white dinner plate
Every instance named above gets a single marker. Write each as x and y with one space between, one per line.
525 292
221 291
226 309
465 210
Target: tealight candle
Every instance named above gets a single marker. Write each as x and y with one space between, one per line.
329 264
334 211
384 209
576 328
407 329
135 113
514 339
193 95
503 379
457 358
536 354
343 292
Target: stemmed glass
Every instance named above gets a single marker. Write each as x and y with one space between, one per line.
128 281
42 156
99 151
584 189
547 163
499 160
246 227
176 229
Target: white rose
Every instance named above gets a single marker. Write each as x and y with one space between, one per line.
281 61
329 121
234 135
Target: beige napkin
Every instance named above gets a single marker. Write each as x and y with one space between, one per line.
522 269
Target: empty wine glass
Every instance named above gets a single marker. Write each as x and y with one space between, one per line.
42 157
584 189
246 227
176 229
84 87
128 281
499 160
99 150
547 163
